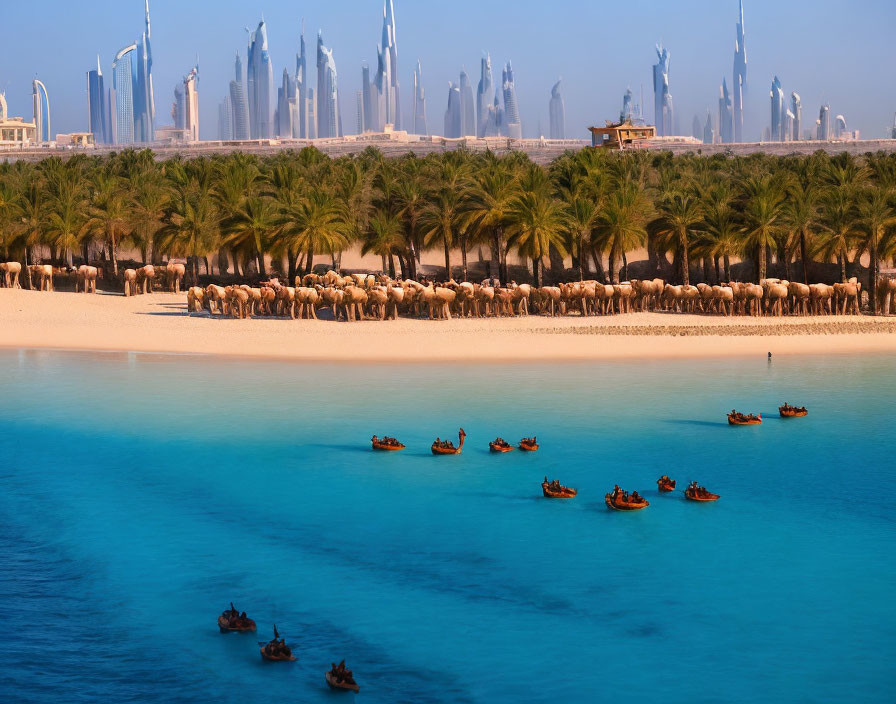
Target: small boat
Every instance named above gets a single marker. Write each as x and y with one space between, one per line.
227 625
450 449
564 492
344 686
619 504
501 446
279 657
735 418
788 411
528 445
699 494
386 444
665 485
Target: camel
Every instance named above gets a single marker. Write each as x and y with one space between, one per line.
175 273
377 300
847 297
355 299
306 299
521 295
775 296
195 300
723 299
145 276
822 297
130 282
886 296
396 296
286 301
672 298
622 297
503 302
466 298
549 300
268 298
484 301
603 298
691 297
43 272
85 278
238 301
11 271
706 300
254 299
334 298
216 299
799 298
753 295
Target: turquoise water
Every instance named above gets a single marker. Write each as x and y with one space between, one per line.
141 494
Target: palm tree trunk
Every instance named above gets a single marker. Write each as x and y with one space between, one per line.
309 263
652 255
614 268
463 255
872 274
583 257
685 262
113 251
600 274
804 257
447 259
502 252
716 262
260 257
841 258
726 260
762 262
384 265
536 271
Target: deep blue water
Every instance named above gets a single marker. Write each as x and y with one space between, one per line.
141 494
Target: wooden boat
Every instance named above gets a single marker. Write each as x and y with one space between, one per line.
334 684
665 485
495 447
741 419
276 658
461 436
386 447
618 504
248 625
700 495
564 493
527 445
792 411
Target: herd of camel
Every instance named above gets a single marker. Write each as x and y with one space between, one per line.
368 296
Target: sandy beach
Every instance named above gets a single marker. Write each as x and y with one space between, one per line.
159 324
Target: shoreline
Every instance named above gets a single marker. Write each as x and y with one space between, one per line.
158 324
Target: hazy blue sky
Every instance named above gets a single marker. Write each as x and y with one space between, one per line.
826 50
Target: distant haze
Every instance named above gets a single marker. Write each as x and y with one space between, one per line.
824 50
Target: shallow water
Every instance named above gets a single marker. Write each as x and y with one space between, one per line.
141 494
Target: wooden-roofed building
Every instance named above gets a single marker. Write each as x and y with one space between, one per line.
621 135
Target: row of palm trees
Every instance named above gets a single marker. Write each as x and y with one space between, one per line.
592 206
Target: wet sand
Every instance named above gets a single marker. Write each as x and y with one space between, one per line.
159 324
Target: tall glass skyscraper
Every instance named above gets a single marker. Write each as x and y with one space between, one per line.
391 91
123 74
663 114
484 96
453 121
96 106
328 119
823 125
419 102
796 109
302 89
260 84
143 99
511 108
557 108
41 104
467 107
740 76
777 96
239 105
726 121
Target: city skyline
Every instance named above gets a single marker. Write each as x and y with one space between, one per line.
588 100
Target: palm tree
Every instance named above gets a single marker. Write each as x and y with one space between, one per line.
192 228
535 223
801 218
386 238
486 206
679 219
108 212
410 198
66 224
878 213
764 219
316 223
841 223
444 217
250 226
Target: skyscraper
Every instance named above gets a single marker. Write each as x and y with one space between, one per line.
777 124
557 110
709 134
840 128
225 119
302 87
360 108
697 128
726 121
143 98
740 76
823 124
467 107
96 106
796 109
368 100
239 105
391 92
123 71
191 104
663 112
260 84
453 119
893 128
41 104
285 99
419 102
511 109
627 114
328 120
483 96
